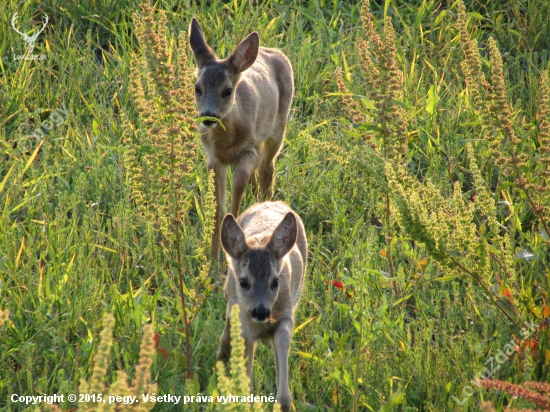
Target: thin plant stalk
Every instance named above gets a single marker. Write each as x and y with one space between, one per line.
359 349
180 275
388 246
184 307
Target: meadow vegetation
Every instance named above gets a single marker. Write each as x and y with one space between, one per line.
417 155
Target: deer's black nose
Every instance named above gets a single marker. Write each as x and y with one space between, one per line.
260 314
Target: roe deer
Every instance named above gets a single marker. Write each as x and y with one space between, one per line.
267 252
250 93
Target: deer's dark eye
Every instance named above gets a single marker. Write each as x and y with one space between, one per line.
227 92
197 90
275 284
244 283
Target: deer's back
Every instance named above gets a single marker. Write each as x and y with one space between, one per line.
279 69
265 91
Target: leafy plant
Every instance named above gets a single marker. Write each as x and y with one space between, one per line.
160 154
102 396
236 385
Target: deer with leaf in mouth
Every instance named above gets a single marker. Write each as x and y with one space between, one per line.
244 101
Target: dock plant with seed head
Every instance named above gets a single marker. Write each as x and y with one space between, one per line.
451 230
383 81
209 207
161 151
385 126
471 65
164 145
237 383
499 124
99 382
348 103
543 149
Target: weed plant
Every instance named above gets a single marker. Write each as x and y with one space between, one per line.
416 154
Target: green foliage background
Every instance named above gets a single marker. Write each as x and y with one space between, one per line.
73 247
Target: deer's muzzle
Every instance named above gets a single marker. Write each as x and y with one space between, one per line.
260 314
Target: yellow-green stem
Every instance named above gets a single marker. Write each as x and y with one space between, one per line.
388 246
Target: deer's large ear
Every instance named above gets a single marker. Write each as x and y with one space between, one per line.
203 53
245 54
284 236
233 241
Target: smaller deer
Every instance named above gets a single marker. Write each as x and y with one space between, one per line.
266 249
250 93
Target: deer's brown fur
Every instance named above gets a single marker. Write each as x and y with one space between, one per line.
266 250
250 92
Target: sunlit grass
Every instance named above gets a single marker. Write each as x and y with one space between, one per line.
73 248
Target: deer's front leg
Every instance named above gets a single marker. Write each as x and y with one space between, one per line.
281 344
249 349
241 176
224 351
266 168
220 182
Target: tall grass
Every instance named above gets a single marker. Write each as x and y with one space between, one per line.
74 245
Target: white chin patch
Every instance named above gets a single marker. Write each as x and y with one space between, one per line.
260 321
